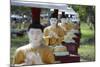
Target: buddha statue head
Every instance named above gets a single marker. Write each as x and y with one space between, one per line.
35 33
53 19
63 18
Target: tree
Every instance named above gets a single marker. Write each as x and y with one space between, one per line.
86 14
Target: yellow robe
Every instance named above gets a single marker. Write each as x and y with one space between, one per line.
46 54
66 27
53 41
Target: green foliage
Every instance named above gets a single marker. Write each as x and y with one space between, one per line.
21 8
84 11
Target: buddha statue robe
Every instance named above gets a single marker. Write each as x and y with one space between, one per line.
51 41
45 55
66 27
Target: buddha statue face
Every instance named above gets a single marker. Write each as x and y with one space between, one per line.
53 21
35 36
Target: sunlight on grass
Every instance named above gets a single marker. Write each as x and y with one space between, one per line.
85 30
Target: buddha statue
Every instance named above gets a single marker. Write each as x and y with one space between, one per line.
35 52
53 34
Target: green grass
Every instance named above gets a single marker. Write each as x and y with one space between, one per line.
88 35
86 31
18 41
87 46
87 52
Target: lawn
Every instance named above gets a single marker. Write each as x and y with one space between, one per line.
87 44
87 52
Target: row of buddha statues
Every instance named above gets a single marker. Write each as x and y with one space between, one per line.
53 35
58 33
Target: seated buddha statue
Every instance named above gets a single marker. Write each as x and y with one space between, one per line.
53 34
65 23
34 52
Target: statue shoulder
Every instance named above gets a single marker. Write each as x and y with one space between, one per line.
47 28
22 48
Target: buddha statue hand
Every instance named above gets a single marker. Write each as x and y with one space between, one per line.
53 34
33 58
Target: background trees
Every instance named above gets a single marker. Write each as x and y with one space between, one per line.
86 14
